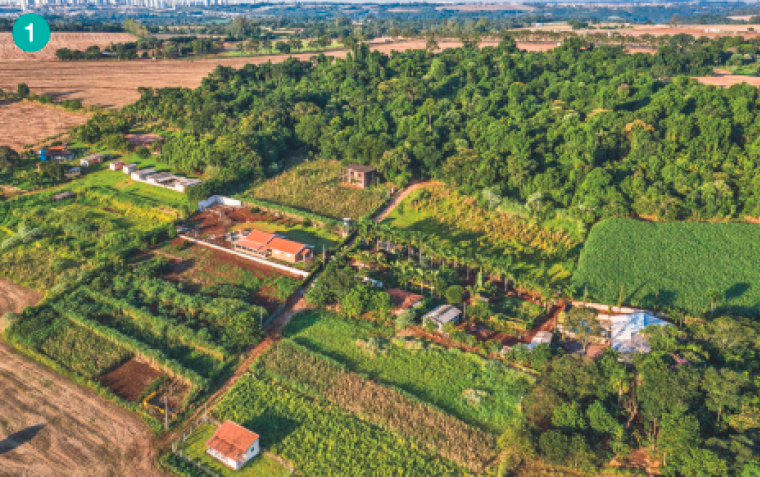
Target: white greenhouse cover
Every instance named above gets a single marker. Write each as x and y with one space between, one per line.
625 336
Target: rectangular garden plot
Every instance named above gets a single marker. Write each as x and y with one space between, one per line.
129 380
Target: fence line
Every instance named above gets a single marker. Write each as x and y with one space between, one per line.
294 271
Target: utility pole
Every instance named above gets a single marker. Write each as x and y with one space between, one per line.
166 412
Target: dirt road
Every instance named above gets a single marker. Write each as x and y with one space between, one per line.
49 426
397 200
15 297
273 336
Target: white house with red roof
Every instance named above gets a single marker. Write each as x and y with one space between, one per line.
233 445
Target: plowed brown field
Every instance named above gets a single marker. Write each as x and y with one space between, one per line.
15 297
114 83
58 40
49 426
24 123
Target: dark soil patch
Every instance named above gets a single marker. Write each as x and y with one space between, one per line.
130 379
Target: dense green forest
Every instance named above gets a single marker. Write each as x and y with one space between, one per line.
593 130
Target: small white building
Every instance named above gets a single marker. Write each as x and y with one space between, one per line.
162 179
183 184
129 168
116 165
541 337
442 315
233 445
142 174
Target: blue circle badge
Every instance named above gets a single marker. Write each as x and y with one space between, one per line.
31 32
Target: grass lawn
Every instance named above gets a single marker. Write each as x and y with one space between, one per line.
315 236
259 466
99 175
673 264
435 376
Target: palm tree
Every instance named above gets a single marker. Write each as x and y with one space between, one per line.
621 380
505 270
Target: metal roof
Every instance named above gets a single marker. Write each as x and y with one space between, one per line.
444 314
361 168
625 336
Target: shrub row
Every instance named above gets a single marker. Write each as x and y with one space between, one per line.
315 218
185 335
155 357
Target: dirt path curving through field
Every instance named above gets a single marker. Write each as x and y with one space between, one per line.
50 426
399 197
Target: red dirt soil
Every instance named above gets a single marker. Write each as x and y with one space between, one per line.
210 221
130 379
724 78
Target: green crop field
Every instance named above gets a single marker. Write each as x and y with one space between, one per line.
315 187
436 376
390 409
49 243
459 222
673 264
320 438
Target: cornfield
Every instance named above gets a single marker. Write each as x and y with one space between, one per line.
686 265
462 216
321 439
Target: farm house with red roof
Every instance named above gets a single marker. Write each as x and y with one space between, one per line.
233 445
264 244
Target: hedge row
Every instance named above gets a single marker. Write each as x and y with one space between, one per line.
270 206
183 334
155 357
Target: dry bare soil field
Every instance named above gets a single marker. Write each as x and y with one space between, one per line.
58 40
49 426
15 297
115 83
24 123
724 78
